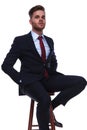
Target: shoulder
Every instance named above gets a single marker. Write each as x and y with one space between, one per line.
22 37
19 41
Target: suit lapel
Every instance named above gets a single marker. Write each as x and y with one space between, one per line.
49 41
32 45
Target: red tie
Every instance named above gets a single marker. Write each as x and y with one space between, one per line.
43 54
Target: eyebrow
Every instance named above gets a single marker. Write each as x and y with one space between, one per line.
43 16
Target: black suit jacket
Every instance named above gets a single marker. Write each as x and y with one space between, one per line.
32 66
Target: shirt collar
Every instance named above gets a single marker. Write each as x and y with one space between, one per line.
35 35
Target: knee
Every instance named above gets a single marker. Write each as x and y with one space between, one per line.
83 82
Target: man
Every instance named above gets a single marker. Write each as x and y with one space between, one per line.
38 74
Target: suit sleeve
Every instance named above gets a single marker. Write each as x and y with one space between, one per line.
10 60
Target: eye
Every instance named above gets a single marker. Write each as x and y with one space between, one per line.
37 16
43 17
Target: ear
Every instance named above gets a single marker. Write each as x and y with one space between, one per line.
30 21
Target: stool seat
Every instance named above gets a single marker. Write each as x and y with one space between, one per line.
30 123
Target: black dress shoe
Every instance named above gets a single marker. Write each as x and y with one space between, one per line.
58 124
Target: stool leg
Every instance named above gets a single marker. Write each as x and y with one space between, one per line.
31 115
52 118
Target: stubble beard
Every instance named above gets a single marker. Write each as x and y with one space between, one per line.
38 29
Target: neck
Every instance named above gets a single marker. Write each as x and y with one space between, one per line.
37 32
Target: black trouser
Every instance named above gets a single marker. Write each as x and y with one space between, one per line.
68 86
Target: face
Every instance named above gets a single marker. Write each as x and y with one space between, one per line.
38 21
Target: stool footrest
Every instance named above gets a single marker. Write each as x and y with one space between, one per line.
37 125
34 125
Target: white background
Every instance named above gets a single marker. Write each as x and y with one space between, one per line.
67 25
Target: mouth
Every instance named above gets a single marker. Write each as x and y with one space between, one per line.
41 23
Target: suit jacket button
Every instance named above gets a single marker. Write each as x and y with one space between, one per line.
44 65
20 81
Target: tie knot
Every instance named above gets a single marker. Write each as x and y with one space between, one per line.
40 37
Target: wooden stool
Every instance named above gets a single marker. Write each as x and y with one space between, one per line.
31 125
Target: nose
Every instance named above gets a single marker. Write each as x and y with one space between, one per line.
41 19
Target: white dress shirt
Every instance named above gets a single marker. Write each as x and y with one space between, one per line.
37 44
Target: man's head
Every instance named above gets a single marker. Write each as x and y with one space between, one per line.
37 18
36 8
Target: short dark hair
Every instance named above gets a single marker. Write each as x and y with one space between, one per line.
35 8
